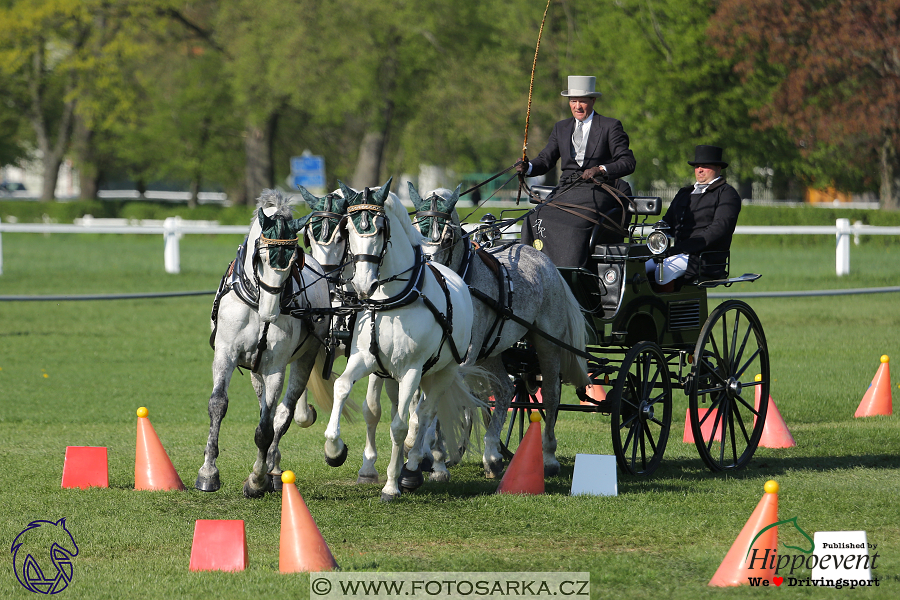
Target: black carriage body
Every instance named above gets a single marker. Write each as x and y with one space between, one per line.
644 342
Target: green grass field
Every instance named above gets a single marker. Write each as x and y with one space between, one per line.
74 373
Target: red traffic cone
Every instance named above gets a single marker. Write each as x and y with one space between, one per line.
775 432
525 473
753 552
219 545
85 466
877 400
152 468
302 547
706 427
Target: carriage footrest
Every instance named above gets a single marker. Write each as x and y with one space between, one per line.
728 282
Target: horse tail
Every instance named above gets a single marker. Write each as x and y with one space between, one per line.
458 410
323 390
573 368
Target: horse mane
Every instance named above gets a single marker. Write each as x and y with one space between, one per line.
274 198
399 217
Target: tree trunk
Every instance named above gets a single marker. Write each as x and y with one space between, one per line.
88 171
890 176
260 172
368 165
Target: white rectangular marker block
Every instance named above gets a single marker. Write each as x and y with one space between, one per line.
595 474
841 555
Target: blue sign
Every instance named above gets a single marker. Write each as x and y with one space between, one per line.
308 171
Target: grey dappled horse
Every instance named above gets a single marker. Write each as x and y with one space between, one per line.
259 326
524 281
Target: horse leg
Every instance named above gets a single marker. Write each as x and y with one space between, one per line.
268 389
435 442
399 428
284 414
548 357
335 448
371 415
492 460
208 476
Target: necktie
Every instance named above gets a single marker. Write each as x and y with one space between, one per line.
578 135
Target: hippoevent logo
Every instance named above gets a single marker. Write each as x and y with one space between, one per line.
42 556
843 558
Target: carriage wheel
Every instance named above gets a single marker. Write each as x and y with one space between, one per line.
641 409
727 404
517 419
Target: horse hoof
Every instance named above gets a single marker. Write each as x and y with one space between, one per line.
312 421
367 479
493 470
411 480
439 477
339 459
426 464
210 484
252 492
389 497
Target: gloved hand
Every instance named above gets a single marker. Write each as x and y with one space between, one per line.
597 173
522 166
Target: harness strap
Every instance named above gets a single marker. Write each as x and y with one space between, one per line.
529 326
260 347
505 292
446 323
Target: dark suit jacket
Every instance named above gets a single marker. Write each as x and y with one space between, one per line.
703 222
607 145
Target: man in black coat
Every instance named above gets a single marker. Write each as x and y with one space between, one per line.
701 218
593 149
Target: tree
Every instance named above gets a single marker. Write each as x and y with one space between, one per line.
834 71
41 45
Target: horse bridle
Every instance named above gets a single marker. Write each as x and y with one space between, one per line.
329 217
262 242
384 225
445 241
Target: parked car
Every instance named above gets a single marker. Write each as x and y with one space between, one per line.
10 189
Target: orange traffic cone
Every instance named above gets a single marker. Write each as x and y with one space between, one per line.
152 468
525 474
753 552
775 432
596 392
302 547
877 400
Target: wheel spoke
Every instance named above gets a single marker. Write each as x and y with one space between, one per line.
734 337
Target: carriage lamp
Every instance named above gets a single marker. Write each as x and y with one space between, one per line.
659 241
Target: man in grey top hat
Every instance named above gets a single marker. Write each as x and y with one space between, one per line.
593 149
701 218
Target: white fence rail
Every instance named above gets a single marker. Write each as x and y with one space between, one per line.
173 228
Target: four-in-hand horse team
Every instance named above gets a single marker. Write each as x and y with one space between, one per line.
432 314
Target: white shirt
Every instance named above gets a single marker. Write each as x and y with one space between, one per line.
699 188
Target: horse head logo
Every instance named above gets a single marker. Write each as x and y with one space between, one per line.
36 548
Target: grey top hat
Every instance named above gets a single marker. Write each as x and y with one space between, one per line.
708 155
581 86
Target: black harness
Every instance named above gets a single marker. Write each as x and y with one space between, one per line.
294 297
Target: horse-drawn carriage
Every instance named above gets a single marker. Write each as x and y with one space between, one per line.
644 343
522 321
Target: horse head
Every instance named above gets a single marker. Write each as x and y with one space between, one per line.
436 219
368 236
275 250
324 236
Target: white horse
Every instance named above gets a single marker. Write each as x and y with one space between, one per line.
264 318
417 319
524 282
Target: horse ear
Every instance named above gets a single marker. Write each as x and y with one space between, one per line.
311 200
455 198
414 196
347 192
382 194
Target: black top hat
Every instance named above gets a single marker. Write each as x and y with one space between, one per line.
708 155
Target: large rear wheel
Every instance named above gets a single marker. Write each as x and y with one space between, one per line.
641 409
729 387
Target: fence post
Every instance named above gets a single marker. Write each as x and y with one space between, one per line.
171 253
842 264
